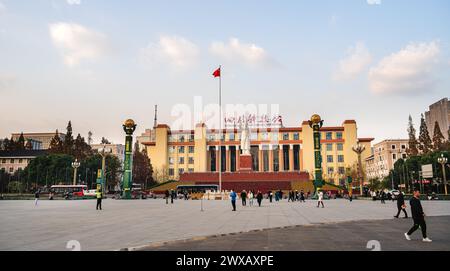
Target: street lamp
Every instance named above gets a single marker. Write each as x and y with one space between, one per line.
104 151
359 149
316 123
75 166
443 160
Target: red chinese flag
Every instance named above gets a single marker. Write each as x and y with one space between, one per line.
217 73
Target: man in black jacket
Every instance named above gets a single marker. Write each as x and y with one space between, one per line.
401 206
418 217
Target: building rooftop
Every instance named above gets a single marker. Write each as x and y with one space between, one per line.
23 153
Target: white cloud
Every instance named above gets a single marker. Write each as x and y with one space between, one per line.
408 71
374 2
235 51
2 8
77 43
357 59
74 2
175 51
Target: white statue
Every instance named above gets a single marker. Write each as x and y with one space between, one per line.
245 139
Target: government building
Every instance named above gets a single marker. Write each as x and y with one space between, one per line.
174 154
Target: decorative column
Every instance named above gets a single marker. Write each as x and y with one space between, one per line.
281 157
291 157
217 159
227 158
238 156
129 127
260 159
270 158
316 123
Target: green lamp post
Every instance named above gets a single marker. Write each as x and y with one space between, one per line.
129 127
316 123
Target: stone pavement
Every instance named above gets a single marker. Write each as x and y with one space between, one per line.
125 224
344 236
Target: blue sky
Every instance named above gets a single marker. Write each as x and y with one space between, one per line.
98 62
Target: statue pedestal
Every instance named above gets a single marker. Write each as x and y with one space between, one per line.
245 162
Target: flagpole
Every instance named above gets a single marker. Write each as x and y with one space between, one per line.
220 131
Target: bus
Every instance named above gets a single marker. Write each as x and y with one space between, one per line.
75 191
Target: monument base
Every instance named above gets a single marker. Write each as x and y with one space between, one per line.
245 163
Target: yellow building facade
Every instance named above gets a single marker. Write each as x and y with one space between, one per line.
284 149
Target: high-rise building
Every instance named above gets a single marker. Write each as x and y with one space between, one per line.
385 154
440 112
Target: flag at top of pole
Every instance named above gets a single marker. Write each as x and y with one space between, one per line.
217 73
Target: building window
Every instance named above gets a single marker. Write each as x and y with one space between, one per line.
403 147
181 160
181 149
191 138
264 136
231 136
180 171
171 160
285 136
393 147
329 135
329 158
338 135
340 147
191 160
253 136
20 161
181 138
3 161
12 161
274 136
329 147
341 170
394 156
330 170
191 149
340 159
11 170
211 137
404 155
171 149
296 136
171 172
191 170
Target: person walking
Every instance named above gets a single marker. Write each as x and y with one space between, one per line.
36 197
172 195
233 197
99 200
167 196
250 198
270 196
244 198
302 196
401 206
320 199
383 197
259 198
418 217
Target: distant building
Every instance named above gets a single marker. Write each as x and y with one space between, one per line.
41 141
147 136
384 156
12 161
118 150
440 112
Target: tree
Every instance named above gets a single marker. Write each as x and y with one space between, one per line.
438 138
6 144
68 140
425 143
56 145
142 170
412 149
29 145
105 141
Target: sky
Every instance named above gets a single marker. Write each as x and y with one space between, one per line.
99 62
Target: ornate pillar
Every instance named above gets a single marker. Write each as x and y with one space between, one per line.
129 127
260 159
238 156
270 158
280 157
217 159
227 158
291 157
